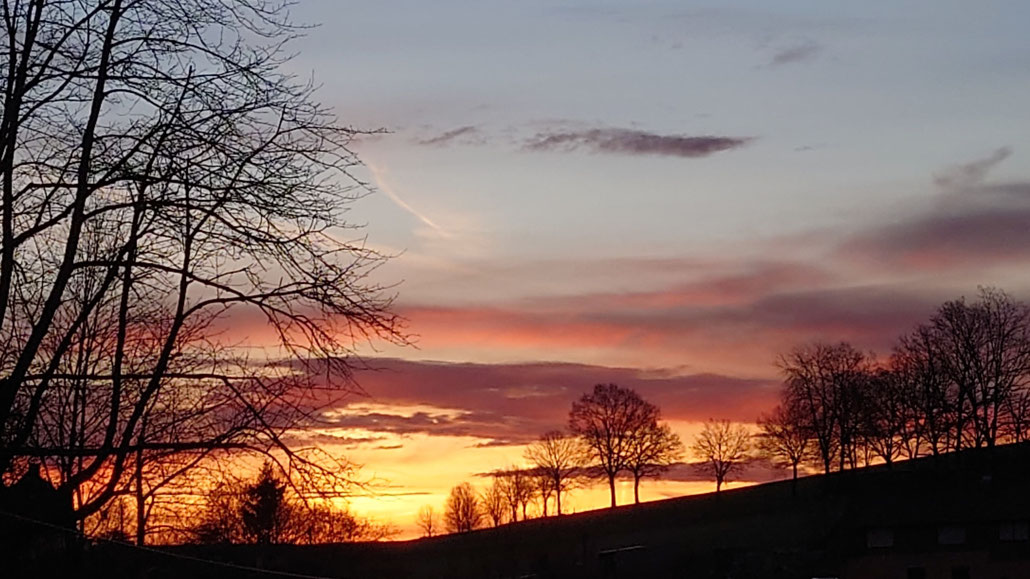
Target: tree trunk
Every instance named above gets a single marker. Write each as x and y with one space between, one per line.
636 489
141 501
611 487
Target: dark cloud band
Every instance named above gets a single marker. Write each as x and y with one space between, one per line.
634 142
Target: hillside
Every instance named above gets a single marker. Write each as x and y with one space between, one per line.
825 527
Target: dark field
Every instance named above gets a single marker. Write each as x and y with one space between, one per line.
827 526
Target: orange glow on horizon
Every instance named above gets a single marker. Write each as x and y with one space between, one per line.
419 470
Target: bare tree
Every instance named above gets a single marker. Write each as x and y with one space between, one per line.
544 487
322 523
160 173
653 451
428 521
220 521
558 458
517 487
723 449
885 414
463 512
1017 426
824 381
984 348
609 420
932 399
494 503
783 437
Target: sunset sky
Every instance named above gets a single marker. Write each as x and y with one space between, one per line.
661 194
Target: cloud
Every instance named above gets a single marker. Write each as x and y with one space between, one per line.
460 134
564 135
634 142
974 228
737 283
733 322
973 173
751 332
799 52
335 439
380 177
968 227
512 404
499 442
498 428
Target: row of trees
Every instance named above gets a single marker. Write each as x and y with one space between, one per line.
613 433
560 463
959 380
515 493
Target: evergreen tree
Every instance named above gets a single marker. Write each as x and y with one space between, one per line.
264 509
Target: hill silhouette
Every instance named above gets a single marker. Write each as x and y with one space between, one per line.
964 513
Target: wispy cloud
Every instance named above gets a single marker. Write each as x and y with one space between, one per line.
798 52
634 142
450 137
972 173
382 183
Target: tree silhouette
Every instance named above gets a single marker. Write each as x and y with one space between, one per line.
653 451
427 521
783 437
494 503
984 350
824 382
161 174
264 511
516 485
463 512
884 414
931 399
723 449
544 487
558 460
609 421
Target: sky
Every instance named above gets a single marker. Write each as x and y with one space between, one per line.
666 195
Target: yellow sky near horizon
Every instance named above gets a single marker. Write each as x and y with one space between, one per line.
413 470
